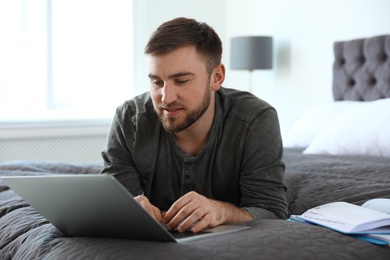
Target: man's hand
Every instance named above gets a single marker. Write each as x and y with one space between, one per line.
196 212
154 211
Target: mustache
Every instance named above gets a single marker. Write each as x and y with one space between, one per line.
171 105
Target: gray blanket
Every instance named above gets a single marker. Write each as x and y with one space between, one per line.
318 179
311 180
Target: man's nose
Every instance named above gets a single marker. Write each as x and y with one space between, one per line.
168 94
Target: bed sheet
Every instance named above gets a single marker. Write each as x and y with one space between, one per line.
311 180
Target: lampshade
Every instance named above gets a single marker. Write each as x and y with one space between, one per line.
251 53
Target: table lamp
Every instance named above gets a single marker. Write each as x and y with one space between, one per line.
251 53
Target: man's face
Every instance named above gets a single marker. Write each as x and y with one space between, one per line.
180 88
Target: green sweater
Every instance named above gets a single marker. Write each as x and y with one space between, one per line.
241 163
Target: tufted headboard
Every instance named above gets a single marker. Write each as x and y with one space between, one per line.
361 69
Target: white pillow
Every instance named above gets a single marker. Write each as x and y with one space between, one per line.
307 127
363 130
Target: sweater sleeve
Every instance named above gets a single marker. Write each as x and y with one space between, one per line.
262 187
118 153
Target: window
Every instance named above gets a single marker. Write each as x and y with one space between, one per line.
64 59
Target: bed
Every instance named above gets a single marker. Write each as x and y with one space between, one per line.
330 155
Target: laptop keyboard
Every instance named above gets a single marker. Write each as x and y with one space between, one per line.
177 234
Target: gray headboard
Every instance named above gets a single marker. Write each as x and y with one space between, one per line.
361 69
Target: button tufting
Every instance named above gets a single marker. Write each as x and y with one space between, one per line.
373 81
362 69
351 82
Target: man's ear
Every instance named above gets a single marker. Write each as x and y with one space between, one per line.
218 77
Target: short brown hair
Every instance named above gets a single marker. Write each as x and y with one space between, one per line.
181 32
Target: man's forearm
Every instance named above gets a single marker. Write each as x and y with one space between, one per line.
231 214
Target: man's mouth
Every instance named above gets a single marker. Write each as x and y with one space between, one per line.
171 112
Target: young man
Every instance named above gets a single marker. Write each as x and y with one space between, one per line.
193 153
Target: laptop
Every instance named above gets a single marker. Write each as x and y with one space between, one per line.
97 205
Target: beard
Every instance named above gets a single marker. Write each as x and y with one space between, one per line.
173 124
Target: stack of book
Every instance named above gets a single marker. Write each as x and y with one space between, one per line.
369 222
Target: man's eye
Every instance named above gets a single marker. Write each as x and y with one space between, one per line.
181 81
158 83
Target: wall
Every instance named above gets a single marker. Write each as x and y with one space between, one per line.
304 32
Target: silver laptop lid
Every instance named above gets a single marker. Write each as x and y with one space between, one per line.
95 205
88 205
